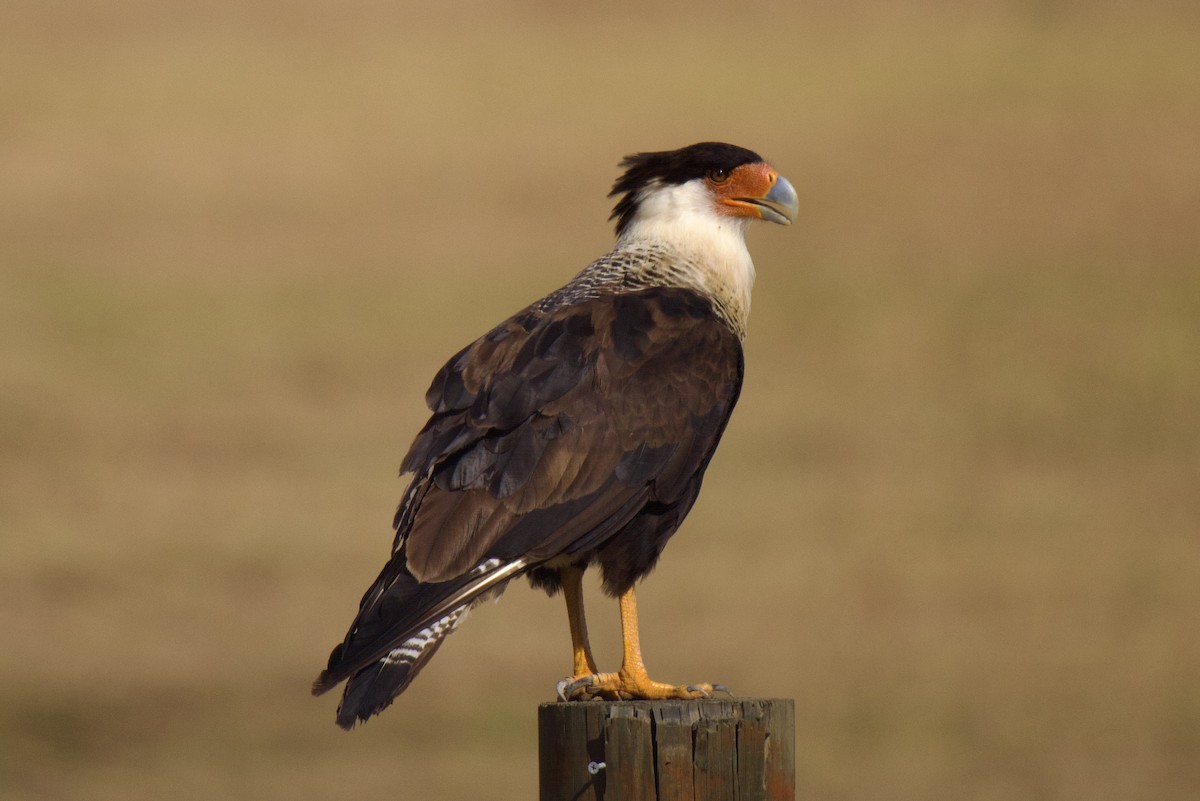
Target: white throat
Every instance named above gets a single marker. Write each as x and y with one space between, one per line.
712 246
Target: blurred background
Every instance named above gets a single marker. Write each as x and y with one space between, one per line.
956 516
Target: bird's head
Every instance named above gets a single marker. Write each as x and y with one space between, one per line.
710 182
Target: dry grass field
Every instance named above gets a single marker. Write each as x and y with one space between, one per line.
956 516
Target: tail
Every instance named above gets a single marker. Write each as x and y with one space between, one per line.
400 625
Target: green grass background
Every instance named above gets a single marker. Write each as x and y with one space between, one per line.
956 516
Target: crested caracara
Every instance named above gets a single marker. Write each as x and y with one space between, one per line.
576 432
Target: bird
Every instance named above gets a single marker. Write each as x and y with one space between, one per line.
576 433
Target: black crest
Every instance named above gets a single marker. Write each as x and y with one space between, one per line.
671 167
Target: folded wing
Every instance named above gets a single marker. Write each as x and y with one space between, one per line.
556 434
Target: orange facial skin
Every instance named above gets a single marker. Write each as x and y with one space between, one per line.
737 189
755 191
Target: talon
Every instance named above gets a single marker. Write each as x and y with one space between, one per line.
721 688
699 690
571 689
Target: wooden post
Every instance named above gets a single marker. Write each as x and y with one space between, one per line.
710 750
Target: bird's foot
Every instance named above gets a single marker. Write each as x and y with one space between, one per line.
623 686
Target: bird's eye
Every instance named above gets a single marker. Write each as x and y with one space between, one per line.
718 176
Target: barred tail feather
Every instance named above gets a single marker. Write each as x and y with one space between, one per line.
372 689
400 626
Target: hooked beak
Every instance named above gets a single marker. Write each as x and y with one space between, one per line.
780 205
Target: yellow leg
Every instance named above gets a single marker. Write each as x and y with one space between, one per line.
572 581
631 681
632 665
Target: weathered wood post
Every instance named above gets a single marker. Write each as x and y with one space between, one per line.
709 750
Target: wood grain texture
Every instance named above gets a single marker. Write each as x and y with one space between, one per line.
738 748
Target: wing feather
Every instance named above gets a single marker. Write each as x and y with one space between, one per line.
565 431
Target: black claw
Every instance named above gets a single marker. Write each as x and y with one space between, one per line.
721 688
571 690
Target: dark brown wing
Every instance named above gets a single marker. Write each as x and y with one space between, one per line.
552 424
550 435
